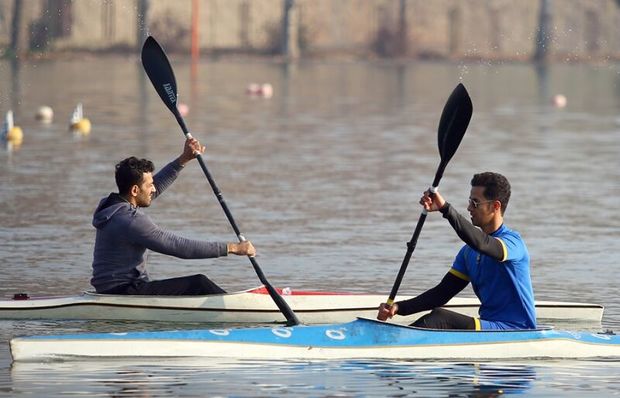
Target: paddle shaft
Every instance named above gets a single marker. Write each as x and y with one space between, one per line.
414 238
282 305
453 123
403 267
159 70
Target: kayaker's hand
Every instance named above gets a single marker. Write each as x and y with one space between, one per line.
432 202
387 312
245 248
191 149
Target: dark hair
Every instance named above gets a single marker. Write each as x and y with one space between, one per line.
129 172
496 187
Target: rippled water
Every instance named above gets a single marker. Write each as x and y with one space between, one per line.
311 379
324 178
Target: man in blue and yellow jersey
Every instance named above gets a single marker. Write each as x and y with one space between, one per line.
494 259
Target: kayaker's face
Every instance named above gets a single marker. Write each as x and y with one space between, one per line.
481 210
145 191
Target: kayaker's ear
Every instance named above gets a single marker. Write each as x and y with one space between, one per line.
134 190
497 206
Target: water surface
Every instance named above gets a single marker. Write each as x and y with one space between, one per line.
324 178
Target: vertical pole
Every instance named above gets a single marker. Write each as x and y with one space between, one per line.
293 35
195 44
290 41
195 37
284 44
402 28
142 22
16 28
541 53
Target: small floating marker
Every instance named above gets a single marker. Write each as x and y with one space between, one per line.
559 101
183 109
264 90
78 124
12 135
45 114
252 89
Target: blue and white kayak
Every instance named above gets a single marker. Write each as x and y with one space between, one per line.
362 338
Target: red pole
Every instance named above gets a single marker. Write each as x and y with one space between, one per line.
195 50
195 39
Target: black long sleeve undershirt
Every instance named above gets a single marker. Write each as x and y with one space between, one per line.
449 287
472 236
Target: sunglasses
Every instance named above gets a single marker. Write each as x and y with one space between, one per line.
474 203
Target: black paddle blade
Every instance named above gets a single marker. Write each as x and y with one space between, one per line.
452 126
454 120
160 72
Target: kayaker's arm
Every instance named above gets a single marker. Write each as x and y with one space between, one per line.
173 245
472 236
146 233
166 176
449 287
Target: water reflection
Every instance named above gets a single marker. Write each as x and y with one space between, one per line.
542 75
287 71
197 377
466 379
16 85
325 378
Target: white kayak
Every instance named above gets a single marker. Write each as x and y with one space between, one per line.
250 306
362 338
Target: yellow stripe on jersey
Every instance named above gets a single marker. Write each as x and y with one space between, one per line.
505 250
477 322
459 274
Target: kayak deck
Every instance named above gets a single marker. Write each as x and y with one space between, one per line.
250 306
362 338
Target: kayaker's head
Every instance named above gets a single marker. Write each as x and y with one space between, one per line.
134 179
488 199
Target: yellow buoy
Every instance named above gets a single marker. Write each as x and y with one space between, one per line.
82 126
79 124
13 135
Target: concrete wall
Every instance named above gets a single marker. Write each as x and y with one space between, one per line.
488 29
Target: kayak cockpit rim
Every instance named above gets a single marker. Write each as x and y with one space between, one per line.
541 328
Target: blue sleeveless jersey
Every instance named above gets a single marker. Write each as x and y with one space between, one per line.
504 288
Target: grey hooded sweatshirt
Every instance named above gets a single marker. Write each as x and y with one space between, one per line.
124 232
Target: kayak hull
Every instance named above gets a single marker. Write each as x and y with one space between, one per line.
251 306
362 338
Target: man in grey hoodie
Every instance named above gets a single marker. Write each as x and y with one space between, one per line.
124 232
